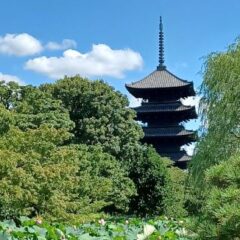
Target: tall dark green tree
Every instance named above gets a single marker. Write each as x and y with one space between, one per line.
101 115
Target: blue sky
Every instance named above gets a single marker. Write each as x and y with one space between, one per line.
192 30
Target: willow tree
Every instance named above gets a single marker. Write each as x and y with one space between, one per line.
220 110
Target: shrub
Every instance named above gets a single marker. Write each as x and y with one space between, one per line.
221 214
150 175
175 190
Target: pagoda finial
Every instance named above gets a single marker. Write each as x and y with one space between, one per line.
161 65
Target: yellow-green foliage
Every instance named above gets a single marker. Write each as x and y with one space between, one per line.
72 148
39 176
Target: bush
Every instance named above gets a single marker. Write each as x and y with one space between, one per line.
150 175
221 214
175 190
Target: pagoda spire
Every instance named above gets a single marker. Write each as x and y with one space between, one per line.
161 65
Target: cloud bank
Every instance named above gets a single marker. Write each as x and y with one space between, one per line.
134 102
19 45
65 44
100 61
10 78
24 44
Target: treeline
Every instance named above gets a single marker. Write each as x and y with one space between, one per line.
214 181
72 149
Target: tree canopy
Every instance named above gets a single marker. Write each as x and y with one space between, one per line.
73 147
220 111
213 181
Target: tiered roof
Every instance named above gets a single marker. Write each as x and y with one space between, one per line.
160 79
163 107
181 156
178 131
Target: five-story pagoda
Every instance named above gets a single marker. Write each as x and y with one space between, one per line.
162 111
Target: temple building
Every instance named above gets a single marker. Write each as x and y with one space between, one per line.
162 112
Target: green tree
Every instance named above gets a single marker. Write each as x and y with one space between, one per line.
9 94
213 173
32 107
102 117
175 191
40 176
74 150
150 175
220 111
36 107
6 120
100 114
221 213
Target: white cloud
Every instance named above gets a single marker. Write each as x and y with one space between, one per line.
19 44
10 78
191 101
101 60
189 148
134 102
65 44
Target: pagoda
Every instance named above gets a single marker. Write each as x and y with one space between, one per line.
162 112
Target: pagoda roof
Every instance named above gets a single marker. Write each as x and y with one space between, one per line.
163 107
151 132
181 156
159 79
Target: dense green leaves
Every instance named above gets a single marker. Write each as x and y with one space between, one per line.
220 111
214 180
39 176
102 117
150 176
100 114
72 148
221 213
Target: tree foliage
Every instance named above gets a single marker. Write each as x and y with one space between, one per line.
221 213
149 173
220 111
214 180
101 115
72 148
39 176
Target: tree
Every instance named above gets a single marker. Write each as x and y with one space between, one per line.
72 148
221 213
100 114
150 175
220 111
40 176
102 117
31 107
213 181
